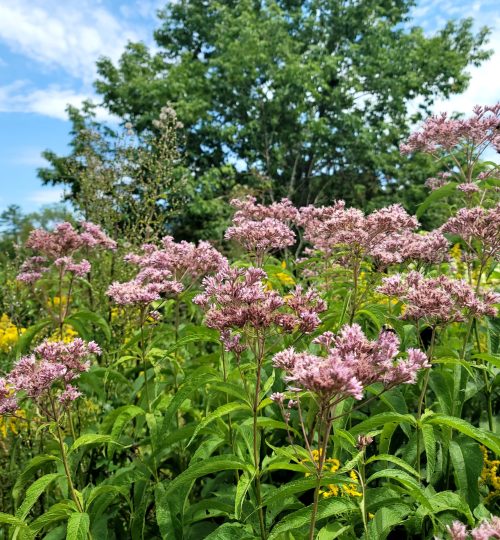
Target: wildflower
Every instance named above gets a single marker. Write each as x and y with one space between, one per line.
52 363
477 225
384 235
441 180
442 133
8 403
238 298
163 271
486 530
261 229
9 333
438 300
351 363
60 247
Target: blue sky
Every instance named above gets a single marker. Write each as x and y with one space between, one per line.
48 50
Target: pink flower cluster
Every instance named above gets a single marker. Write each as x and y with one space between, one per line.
438 300
477 225
443 133
485 531
261 229
385 235
441 179
349 364
60 247
161 271
236 298
51 364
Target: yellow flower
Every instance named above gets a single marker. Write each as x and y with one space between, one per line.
285 279
489 474
11 424
9 333
69 334
57 301
333 465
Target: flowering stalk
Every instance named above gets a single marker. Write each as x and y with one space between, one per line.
350 363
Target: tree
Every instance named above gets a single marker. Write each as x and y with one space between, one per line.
305 99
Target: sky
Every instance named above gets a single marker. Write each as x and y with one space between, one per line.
48 51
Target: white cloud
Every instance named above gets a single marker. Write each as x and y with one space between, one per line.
484 86
70 35
51 101
47 196
28 156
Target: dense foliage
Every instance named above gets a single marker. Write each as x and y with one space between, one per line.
334 374
306 100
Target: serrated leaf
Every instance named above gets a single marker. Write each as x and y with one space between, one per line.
467 461
430 449
332 506
211 465
34 492
487 438
444 191
32 467
89 439
221 411
78 526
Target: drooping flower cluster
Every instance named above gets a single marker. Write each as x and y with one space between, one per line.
261 229
385 235
439 300
477 225
236 298
48 371
166 271
487 530
349 363
61 247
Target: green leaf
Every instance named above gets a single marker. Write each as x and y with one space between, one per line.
295 521
89 439
384 521
242 488
411 486
467 461
379 420
78 526
57 512
191 385
32 467
487 438
34 492
231 531
84 317
210 465
430 449
8 519
393 459
24 342
436 195
219 413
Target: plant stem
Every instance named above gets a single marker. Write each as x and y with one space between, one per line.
322 457
64 457
256 452
421 401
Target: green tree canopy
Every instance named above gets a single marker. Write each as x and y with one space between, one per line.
305 99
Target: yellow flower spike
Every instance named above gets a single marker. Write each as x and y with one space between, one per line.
285 279
283 264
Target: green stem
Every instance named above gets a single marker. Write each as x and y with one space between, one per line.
421 400
323 445
256 451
